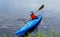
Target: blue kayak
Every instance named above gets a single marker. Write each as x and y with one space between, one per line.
29 25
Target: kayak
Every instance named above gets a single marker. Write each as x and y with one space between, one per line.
29 25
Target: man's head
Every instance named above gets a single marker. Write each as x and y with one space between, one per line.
31 11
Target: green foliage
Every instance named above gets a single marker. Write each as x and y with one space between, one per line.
50 33
39 34
16 36
29 35
4 35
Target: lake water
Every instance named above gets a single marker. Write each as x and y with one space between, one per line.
12 10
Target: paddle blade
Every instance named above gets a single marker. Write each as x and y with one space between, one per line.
41 7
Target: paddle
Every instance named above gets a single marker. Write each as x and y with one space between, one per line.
41 7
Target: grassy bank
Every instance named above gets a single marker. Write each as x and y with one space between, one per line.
50 33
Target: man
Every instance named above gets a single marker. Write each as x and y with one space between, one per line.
33 15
